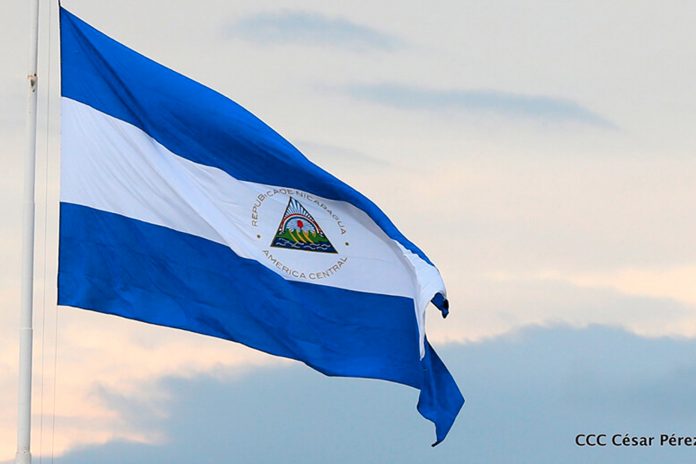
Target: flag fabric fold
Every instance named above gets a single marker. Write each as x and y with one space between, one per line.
182 209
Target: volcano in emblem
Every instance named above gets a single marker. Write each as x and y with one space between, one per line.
299 231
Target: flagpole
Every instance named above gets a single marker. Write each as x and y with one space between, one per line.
26 304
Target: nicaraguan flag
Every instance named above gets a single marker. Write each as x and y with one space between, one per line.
182 209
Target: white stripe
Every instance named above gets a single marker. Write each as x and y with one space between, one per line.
110 165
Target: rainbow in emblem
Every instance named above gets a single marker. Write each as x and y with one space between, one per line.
299 231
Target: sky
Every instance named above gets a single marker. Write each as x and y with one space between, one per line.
541 153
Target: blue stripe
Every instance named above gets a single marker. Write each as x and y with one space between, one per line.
192 120
179 280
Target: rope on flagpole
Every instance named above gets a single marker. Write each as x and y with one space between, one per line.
46 160
55 382
55 327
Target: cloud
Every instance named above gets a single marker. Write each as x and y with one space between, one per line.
307 28
528 394
508 104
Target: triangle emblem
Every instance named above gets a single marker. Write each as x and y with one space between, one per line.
298 230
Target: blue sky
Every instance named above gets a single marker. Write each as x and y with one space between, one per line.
542 153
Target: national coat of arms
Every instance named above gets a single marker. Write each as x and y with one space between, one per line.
298 230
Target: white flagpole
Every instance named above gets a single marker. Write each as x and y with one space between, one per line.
25 319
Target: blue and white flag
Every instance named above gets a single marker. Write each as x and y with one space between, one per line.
182 209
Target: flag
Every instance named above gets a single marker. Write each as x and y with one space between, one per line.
180 208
